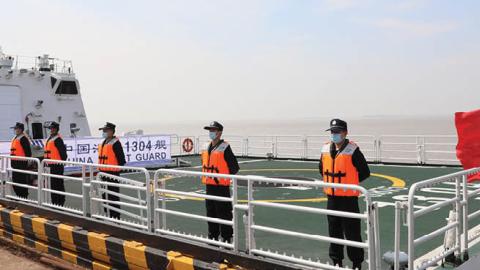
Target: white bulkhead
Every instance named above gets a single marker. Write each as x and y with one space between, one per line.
35 90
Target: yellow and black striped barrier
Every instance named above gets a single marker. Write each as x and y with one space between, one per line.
91 249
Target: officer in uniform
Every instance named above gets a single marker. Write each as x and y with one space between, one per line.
110 152
55 149
218 157
342 162
20 147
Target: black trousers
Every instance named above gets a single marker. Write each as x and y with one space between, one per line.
111 197
57 184
20 178
216 209
344 228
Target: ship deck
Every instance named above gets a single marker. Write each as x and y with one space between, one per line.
387 184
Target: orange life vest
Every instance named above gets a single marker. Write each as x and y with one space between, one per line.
16 148
340 170
107 156
215 163
51 151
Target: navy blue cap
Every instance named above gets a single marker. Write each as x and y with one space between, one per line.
19 126
337 125
108 125
214 125
52 124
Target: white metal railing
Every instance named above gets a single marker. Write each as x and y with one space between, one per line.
161 213
79 198
34 63
237 143
133 204
410 149
143 207
467 216
7 174
458 202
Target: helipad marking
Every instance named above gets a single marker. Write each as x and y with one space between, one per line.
240 162
396 182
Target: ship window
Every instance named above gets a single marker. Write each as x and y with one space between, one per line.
53 80
37 131
67 88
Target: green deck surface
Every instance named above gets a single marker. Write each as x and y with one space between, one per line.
383 190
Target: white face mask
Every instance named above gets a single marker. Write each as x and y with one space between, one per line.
336 138
104 135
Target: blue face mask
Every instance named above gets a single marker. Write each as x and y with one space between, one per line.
212 135
336 137
104 135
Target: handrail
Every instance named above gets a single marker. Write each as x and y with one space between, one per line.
161 212
408 149
459 225
149 206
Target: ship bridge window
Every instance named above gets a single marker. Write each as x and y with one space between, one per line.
53 80
37 131
67 88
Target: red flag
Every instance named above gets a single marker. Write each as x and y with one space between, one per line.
468 147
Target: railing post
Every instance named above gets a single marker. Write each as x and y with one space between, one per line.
371 235
465 217
2 185
411 230
419 150
458 210
39 183
5 177
155 201
378 249
274 146
148 198
379 149
398 209
251 237
92 193
85 193
164 206
305 147
197 145
424 152
235 216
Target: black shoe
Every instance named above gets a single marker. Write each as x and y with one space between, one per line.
337 263
227 240
357 266
453 260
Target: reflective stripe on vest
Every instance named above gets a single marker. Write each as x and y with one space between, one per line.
16 148
51 151
215 163
340 170
107 156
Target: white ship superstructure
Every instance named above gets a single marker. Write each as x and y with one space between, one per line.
35 90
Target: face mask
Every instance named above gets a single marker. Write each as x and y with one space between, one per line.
336 137
104 135
212 135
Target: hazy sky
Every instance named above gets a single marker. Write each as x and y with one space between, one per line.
157 61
